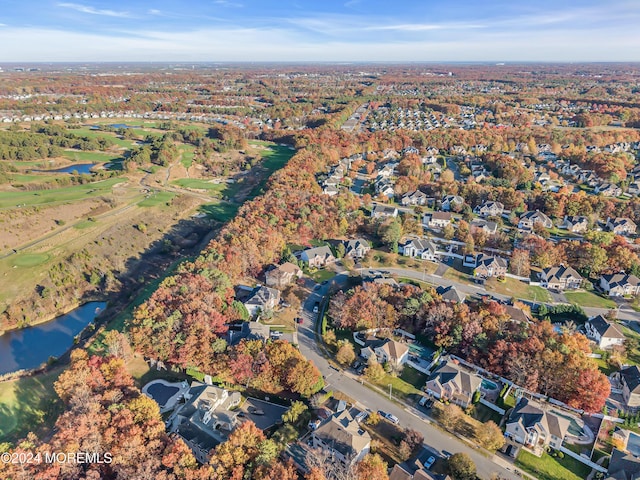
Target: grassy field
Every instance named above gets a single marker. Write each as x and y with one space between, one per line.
518 289
29 259
156 199
28 404
80 156
58 195
408 384
81 225
321 275
633 345
589 299
549 468
87 132
218 189
187 152
221 212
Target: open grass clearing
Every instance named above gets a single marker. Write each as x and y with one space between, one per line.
81 156
550 468
58 195
28 404
157 199
589 299
87 132
29 259
515 288
221 212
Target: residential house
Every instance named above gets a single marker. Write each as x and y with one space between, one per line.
530 218
488 226
282 275
262 299
318 256
620 284
535 427
399 473
452 202
489 266
393 352
414 198
605 333
418 247
634 188
629 379
384 186
341 436
357 248
560 278
575 224
330 190
450 294
517 314
208 411
608 190
437 219
452 382
621 226
383 211
623 466
489 209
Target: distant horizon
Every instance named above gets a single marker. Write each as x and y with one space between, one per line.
332 31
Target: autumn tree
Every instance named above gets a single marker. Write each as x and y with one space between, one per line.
449 416
489 435
374 370
519 264
461 467
371 467
345 354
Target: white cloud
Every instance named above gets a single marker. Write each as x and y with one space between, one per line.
228 3
94 11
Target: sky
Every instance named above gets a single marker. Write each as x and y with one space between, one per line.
319 30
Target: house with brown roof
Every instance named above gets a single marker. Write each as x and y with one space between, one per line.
560 278
535 427
605 333
394 352
341 436
282 275
489 266
453 382
620 284
621 226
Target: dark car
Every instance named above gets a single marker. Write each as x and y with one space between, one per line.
299 320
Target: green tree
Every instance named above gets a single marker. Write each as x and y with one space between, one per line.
293 414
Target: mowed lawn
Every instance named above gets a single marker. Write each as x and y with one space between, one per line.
87 132
156 199
58 195
28 404
518 289
79 155
549 468
589 299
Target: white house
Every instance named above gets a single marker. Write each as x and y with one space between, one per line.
605 333
620 284
418 247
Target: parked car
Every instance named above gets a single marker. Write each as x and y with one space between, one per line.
299 320
276 334
393 418
430 461
255 411
316 307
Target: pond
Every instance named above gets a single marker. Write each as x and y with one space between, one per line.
76 168
31 347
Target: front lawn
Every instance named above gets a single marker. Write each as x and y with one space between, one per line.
589 299
414 377
320 276
483 414
550 468
400 388
515 288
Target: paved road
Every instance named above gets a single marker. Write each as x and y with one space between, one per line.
437 440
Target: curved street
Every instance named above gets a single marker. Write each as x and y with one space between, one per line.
435 439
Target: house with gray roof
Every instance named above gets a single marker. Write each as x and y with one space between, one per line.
623 466
452 382
560 278
529 219
261 299
629 378
418 247
489 209
356 248
414 198
575 223
318 256
605 333
450 294
341 436
205 417
536 427
620 284
621 225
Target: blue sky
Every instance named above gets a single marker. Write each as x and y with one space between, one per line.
320 30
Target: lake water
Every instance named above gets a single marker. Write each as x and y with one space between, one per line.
31 347
79 168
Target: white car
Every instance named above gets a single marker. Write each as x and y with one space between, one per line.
276 334
393 418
